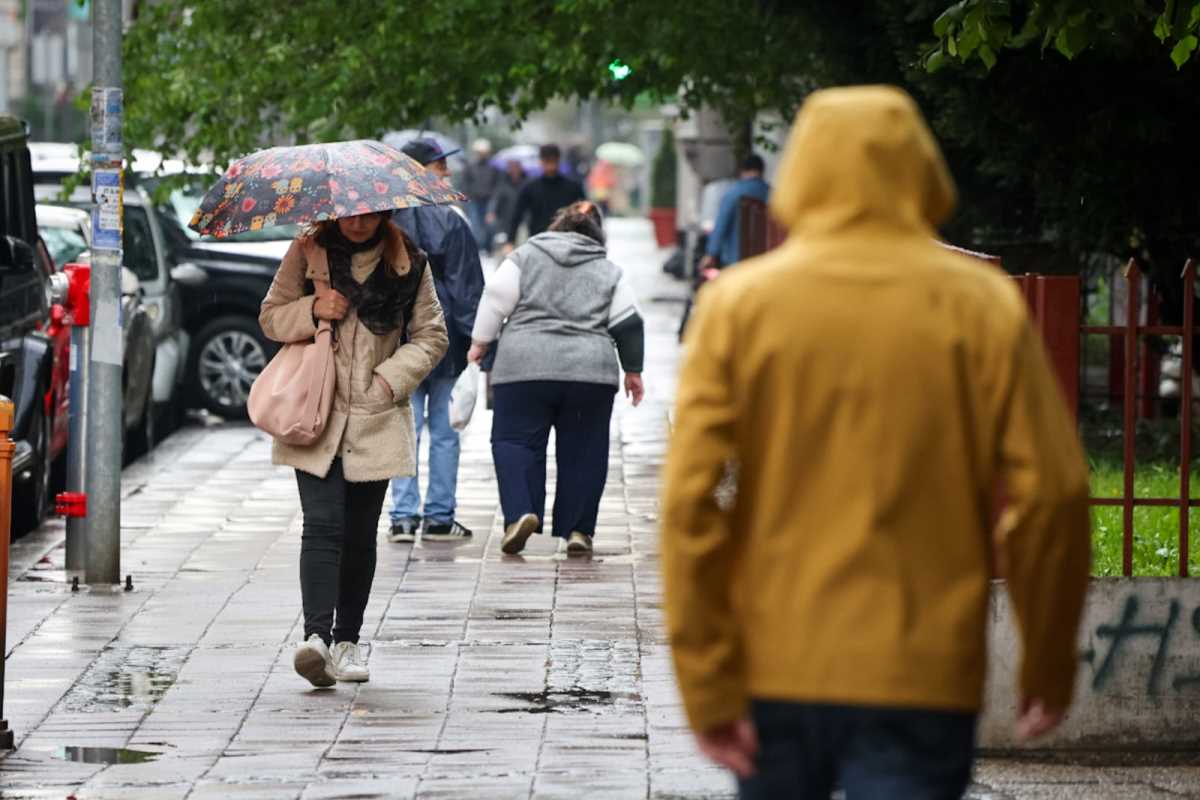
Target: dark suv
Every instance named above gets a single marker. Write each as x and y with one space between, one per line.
26 351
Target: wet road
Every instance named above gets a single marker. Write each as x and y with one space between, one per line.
491 676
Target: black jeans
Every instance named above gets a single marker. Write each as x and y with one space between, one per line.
580 414
805 749
337 551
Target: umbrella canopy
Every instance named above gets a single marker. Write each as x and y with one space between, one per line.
314 182
621 154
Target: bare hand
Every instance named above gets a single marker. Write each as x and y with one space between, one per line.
707 263
634 389
1035 719
330 304
477 352
733 745
507 248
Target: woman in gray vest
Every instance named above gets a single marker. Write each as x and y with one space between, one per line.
563 314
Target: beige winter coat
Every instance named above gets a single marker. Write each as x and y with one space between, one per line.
370 428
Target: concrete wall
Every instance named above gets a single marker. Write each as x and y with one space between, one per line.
1138 684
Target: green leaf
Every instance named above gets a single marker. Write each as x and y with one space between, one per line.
987 56
1183 50
942 25
1194 18
1162 28
1071 41
935 62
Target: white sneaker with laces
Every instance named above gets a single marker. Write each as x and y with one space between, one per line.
349 663
314 663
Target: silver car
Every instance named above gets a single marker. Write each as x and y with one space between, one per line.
144 254
67 234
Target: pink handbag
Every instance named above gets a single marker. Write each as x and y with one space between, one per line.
291 398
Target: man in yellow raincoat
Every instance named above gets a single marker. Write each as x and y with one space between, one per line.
848 404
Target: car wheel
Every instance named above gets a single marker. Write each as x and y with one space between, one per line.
230 352
29 508
145 433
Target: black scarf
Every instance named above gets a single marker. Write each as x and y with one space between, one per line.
385 299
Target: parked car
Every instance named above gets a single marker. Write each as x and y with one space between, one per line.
220 284
67 234
30 375
145 254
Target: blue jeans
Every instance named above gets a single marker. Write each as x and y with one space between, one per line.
805 749
431 398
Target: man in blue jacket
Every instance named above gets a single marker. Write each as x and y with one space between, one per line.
724 241
445 235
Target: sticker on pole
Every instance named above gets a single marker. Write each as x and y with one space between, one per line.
107 118
107 336
106 216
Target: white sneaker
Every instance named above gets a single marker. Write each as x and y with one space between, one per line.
349 664
313 662
516 534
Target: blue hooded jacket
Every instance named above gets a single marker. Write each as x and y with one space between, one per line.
457 274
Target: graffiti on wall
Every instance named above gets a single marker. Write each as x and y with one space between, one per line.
1132 628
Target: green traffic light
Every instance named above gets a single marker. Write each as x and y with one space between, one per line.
619 70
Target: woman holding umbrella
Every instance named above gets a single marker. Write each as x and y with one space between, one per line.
353 267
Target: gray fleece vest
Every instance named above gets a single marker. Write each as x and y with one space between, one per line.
559 330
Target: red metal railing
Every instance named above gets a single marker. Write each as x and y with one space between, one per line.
1131 334
757 231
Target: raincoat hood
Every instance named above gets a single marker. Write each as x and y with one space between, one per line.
568 249
861 156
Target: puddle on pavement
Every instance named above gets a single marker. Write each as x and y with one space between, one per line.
125 677
558 701
104 755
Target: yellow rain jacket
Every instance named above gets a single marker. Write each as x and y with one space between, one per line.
847 406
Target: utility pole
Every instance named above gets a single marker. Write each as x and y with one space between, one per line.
104 411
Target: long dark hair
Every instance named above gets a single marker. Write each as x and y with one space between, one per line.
580 217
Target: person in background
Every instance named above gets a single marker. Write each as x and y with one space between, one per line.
847 406
479 183
724 241
504 199
443 233
382 304
571 314
541 198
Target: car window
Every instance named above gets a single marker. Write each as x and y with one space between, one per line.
138 243
64 244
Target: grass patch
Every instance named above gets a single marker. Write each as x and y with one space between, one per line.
1155 529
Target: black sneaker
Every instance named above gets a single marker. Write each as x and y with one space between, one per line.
405 530
445 531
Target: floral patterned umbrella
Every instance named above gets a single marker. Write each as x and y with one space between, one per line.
314 182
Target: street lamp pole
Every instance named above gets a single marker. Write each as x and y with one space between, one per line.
105 422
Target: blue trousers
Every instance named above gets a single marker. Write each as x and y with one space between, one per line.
432 399
805 749
580 414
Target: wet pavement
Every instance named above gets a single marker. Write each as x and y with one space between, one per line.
491 676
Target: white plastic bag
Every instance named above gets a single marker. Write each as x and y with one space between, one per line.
463 396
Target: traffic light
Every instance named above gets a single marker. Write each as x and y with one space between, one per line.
619 69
